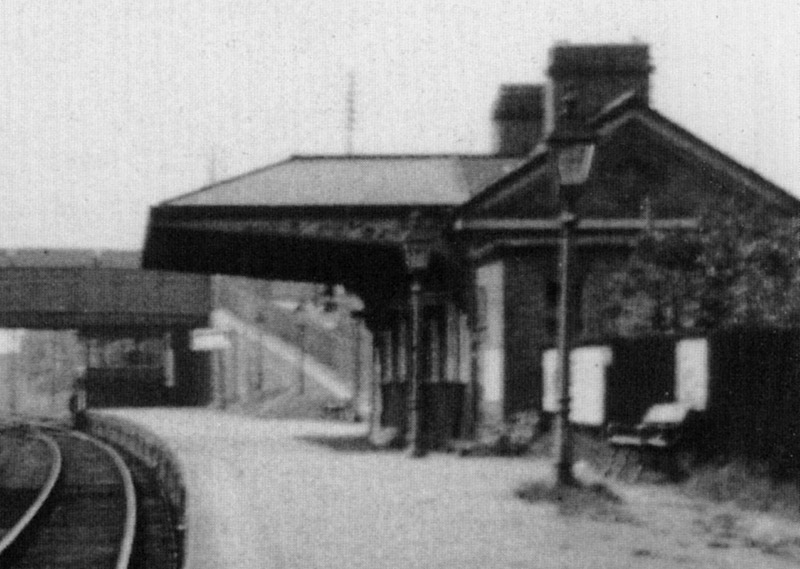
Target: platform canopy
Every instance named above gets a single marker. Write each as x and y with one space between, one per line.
356 220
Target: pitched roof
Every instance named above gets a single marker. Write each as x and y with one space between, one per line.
531 177
362 180
628 108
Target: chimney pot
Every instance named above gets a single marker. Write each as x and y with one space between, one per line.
519 118
596 75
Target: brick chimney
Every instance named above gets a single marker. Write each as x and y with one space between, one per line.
592 76
518 118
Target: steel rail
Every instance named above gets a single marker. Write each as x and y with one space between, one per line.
42 496
129 531
146 446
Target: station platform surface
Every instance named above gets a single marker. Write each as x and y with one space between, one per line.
303 494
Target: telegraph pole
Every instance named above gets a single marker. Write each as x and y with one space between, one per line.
350 113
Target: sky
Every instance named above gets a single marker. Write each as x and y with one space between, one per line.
108 107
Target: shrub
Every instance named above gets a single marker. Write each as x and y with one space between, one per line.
748 485
513 437
594 501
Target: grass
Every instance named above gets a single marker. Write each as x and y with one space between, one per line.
746 485
24 461
774 540
594 501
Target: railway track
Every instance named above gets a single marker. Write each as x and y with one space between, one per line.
30 465
86 519
157 544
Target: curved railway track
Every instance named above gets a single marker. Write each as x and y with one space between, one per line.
85 520
157 544
19 505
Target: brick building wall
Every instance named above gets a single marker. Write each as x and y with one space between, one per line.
529 326
531 291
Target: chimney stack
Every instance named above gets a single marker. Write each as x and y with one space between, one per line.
592 76
518 119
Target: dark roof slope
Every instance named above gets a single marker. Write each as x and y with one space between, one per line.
365 180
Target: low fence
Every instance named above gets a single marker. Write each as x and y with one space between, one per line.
753 389
754 394
155 455
744 381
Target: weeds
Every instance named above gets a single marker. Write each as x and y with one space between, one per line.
594 501
513 437
748 486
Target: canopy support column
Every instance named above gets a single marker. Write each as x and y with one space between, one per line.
416 447
417 256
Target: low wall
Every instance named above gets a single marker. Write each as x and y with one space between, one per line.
155 455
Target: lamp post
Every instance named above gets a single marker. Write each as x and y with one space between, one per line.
573 154
302 313
305 313
357 317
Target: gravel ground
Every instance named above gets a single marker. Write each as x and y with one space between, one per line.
275 494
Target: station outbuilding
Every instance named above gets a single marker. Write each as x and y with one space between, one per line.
456 257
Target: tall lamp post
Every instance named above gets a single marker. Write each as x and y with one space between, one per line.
573 153
303 315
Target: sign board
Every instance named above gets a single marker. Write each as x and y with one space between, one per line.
691 355
588 366
10 341
588 388
209 340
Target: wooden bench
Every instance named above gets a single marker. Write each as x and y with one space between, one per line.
661 428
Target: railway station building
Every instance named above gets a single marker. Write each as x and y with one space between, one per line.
456 256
